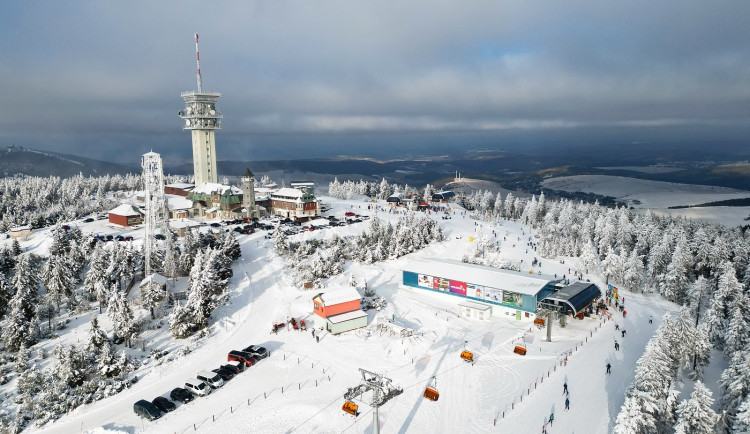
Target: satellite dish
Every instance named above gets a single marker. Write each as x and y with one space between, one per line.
213 112
187 122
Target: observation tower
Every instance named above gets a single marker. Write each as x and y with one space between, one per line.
202 118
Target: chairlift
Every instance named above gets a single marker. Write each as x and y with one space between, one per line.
467 355
430 392
351 408
520 350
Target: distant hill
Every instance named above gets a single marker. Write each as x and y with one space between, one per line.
18 160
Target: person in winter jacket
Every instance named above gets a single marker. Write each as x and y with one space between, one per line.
608 368
567 403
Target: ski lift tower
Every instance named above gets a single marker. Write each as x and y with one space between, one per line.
156 203
382 391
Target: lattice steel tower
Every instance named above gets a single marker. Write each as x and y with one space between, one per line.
202 118
156 204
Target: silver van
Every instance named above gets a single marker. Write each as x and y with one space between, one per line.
197 387
211 378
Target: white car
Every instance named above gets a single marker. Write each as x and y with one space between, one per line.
197 387
211 378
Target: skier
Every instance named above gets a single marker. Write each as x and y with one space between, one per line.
608 368
617 346
650 319
624 312
617 326
544 429
565 388
552 418
567 403
317 339
623 332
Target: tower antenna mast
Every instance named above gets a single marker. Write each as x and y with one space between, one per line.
198 63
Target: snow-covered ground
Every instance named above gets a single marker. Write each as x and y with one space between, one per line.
299 387
659 195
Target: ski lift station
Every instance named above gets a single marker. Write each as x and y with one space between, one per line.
573 299
508 292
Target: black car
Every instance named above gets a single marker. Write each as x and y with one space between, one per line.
146 410
160 237
88 220
234 369
163 404
224 373
182 395
256 349
215 225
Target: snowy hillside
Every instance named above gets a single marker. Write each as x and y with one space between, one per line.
659 195
299 387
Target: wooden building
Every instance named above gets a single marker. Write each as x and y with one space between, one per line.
126 215
339 310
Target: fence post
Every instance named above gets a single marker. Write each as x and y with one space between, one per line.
264 397
282 389
299 386
231 410
213 418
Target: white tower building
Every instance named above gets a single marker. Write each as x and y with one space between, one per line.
202 118
156 203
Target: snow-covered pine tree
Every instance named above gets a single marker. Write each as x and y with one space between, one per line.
735 385
737 336
21 318
717 315
180 322
122 318
230 247
171 256
696 415
97 338
58 279
5 295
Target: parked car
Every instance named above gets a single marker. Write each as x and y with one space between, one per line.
241 356
128 238
101 217
182 395
257 349
146 410
163 404
197 387
235 366
88 220
350 214
160 237
234 369
109 237
211 378
224 373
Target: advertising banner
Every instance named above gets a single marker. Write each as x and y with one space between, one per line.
425 281
512 298
474 290
458 287
441 284
493 294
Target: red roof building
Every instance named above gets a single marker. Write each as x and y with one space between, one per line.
339 310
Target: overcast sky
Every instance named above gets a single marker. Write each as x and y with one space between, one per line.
103 79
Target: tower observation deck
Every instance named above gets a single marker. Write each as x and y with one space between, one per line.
202 118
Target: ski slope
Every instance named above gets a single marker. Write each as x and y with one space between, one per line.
299 387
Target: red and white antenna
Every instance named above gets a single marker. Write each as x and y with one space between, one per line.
198 63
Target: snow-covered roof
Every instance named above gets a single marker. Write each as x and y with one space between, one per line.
288 192
126 210
178 202
335 319
181 185
183 223
214 209
20 228
264 190
210 187
156 278
338 296
514 281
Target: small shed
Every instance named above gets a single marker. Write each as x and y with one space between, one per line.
344 322
336 301
154 280
395 199
20 232
468 309
126 215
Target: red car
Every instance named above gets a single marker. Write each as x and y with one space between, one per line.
308 228
350 214
241 356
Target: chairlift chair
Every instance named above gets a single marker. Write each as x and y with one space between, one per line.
430 392
520 350
351 408
467 355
